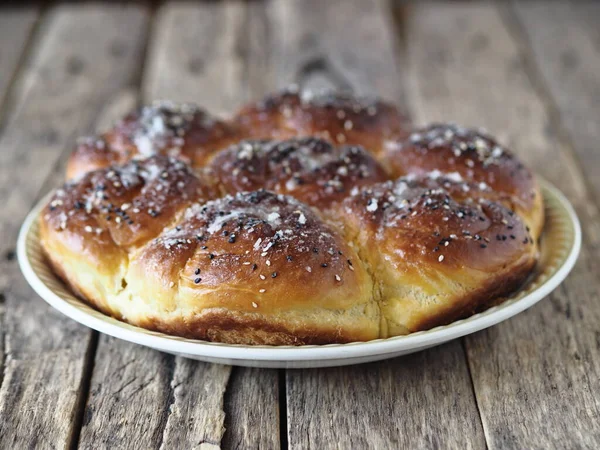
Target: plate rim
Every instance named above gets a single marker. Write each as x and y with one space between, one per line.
353 350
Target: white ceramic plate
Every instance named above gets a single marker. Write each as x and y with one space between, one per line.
561 242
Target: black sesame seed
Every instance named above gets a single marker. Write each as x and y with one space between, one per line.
315 250
512 236
349 262
197 272
232 239
204 247
225 232
254 267
289 258
436 248
197 280
274 275
324 265
483 245
211 256
108 218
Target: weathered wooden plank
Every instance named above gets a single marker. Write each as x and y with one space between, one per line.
202 406
424 400
345 45
198 57
413 402
565 43
536 376
82 55
16 25
252 407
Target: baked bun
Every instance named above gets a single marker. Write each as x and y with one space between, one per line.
304 219
89 228
434 256
257 268
474 156
184 131
310 169
337 117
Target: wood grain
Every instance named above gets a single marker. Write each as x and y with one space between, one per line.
81 56
198 59
536 376
191 404
16 25
422 401
565 43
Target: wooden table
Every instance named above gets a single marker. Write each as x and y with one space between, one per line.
529 72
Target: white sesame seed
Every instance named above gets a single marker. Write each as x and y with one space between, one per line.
262 290
268 262
348 125
308 269
254 305
441 258
338 278
262 277
171 284
88 229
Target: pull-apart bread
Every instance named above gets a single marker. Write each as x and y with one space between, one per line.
272 228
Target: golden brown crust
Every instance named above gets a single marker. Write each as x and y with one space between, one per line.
476 157
151 242
310 169
337 117
434 255
183 131
262 260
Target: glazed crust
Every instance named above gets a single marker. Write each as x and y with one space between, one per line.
256 268
349 229
310 169
337 117
436 256
476 157
184 131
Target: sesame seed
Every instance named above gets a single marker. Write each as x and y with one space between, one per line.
197 280
308 269
88 229
441 258
274 275
254 305
289 258
171 284
268 262
324 265
211 256
262 291
254 267
262 277
197 272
